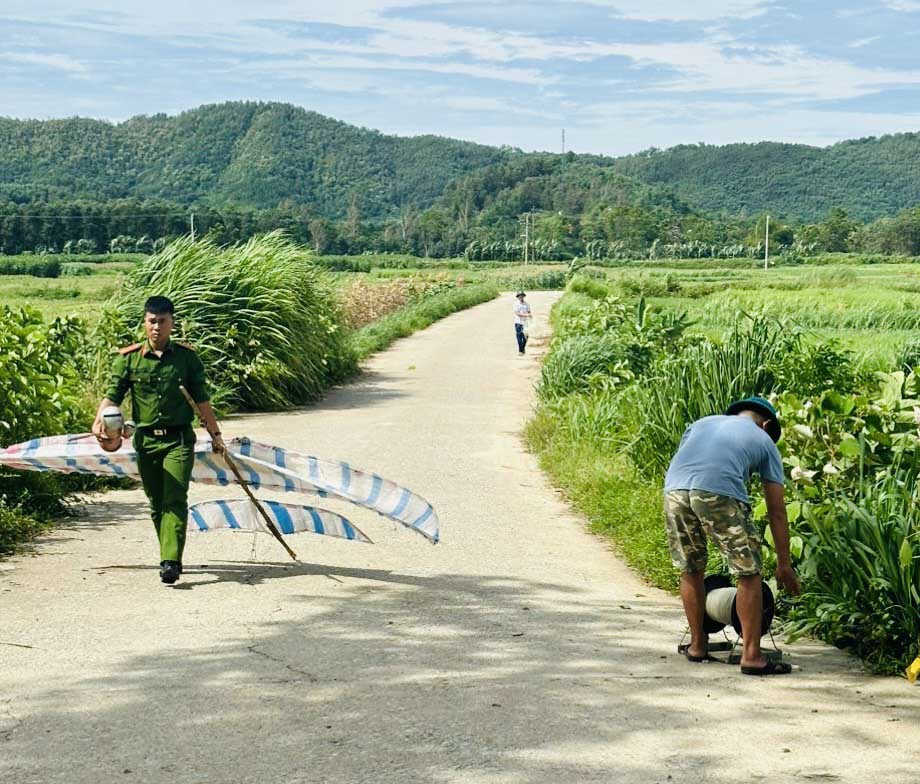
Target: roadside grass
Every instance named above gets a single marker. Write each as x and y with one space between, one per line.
603 487
16 528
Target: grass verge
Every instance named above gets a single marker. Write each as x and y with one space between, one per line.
380 334
604 488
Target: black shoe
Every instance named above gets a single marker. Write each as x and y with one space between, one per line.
170 571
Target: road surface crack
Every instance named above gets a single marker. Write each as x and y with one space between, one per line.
278 660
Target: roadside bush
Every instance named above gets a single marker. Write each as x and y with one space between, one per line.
262 316
43 393
589 287
77 270
17 527
861 571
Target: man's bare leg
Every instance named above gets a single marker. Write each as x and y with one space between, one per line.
693 595
749 604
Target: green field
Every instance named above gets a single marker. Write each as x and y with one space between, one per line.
872 309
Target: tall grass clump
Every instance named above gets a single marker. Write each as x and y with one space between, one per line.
582 363
261 315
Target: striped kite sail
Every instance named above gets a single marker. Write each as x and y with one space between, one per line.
241 515
262 465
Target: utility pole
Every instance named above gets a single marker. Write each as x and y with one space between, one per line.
526 236
191 222
766 246
563 141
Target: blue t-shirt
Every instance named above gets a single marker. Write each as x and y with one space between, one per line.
718 454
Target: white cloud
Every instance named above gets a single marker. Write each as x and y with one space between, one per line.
408 62
861 42
59 62
683 11
307 65
904 6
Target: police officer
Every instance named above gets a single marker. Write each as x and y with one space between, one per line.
165 439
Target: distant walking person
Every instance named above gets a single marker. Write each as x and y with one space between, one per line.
522 317
706 497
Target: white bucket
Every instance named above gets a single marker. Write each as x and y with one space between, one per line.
719 603
112 422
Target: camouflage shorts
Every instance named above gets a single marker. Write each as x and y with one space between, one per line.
694 515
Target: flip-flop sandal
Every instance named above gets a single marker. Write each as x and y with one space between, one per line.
770 668
685 650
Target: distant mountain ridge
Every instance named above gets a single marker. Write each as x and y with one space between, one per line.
871 178
265 154
254 154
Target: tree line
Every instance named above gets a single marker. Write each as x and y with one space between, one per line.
491 231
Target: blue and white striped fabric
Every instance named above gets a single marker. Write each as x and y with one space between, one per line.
262 465
241 515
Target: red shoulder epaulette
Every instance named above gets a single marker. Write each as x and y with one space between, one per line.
130 349
185 345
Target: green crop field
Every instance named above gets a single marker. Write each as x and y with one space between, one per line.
871 309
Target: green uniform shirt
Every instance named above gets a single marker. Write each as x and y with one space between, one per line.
156 400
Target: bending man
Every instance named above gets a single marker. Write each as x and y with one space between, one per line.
165 440
706 497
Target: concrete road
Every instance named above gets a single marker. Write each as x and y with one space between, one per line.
520 650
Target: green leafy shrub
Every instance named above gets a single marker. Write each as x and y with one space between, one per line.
36 266
589 287
76 269
43 393
854 495
262 316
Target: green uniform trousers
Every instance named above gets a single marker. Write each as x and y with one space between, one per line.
165 465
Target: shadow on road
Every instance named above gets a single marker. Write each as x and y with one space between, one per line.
389 677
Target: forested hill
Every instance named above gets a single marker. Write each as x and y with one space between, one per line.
253 154
579 187
266 155
870 178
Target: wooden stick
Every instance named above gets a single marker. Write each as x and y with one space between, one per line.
243 483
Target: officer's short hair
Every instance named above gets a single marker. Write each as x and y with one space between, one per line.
159 306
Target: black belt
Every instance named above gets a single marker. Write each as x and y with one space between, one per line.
162 432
